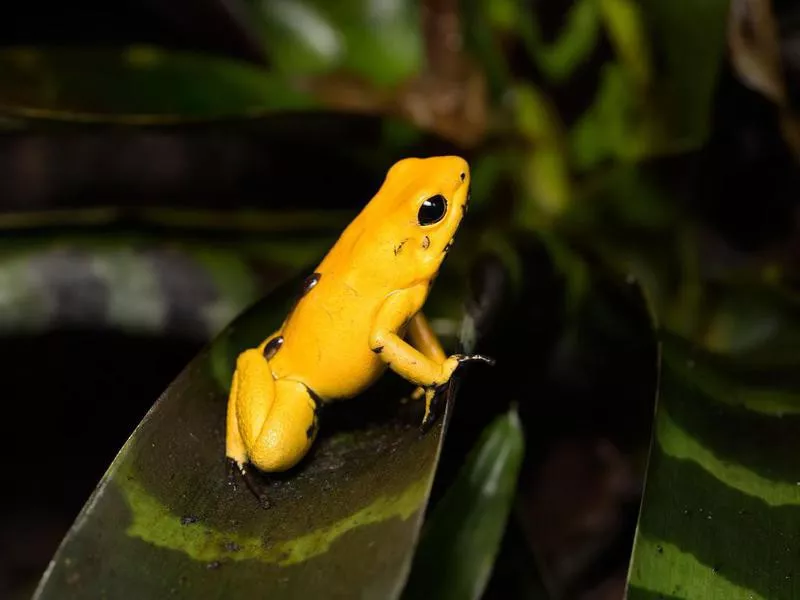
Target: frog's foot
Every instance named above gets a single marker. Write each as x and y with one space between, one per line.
434 396
467 358
418 393
253 482
435 400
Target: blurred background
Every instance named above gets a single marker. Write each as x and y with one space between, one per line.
163 165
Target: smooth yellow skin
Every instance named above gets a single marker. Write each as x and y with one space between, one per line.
350 326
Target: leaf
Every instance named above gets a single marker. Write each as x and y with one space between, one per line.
83 269
377 41
655 98
753 323
619 124
688 42
623 21
546 177
462 537
572 47
722 502
163 520
754 41
137 85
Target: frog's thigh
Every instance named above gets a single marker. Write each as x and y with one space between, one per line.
253 392
288 430
424 339
234 444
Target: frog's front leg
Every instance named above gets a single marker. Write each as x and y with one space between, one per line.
428 369
271 423
424 339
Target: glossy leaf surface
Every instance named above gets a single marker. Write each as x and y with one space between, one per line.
379 41
460 541
722 503
164 519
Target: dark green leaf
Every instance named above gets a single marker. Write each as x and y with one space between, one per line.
461 540
379 41
191 277
137 85
572 46
164 521
688 42
656 96
722 502
755 323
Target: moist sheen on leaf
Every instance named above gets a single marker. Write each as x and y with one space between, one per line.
164 520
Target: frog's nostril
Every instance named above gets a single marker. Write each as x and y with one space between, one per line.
463 176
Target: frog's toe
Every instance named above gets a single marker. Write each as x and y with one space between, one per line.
232 468
467 358
417 394
435 401
255 484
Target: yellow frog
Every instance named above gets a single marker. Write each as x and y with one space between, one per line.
350 323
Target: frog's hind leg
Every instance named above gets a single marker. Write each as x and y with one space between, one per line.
251 397
234 444
423 338
272 423
287 431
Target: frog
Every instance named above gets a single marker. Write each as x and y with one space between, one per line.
358 314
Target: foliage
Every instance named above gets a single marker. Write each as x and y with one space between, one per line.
606 130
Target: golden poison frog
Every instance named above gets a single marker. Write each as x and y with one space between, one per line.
359 314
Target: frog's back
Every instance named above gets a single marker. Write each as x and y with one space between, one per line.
326 338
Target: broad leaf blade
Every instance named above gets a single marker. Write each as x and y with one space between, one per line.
462 537
137 85
379 43
164 520
138 279
722 504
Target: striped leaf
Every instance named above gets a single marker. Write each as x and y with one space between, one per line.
165 521
721 511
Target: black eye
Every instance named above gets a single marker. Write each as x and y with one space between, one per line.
432 210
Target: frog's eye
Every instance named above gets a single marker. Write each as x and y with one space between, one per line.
432 210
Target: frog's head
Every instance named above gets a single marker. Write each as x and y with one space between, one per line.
419 208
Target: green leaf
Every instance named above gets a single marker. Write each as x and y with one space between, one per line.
137 85
755 323
573 44
164 520
379 41
462 537
688 42
623 21
83 268
722 502
488 23
546 172
656 97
